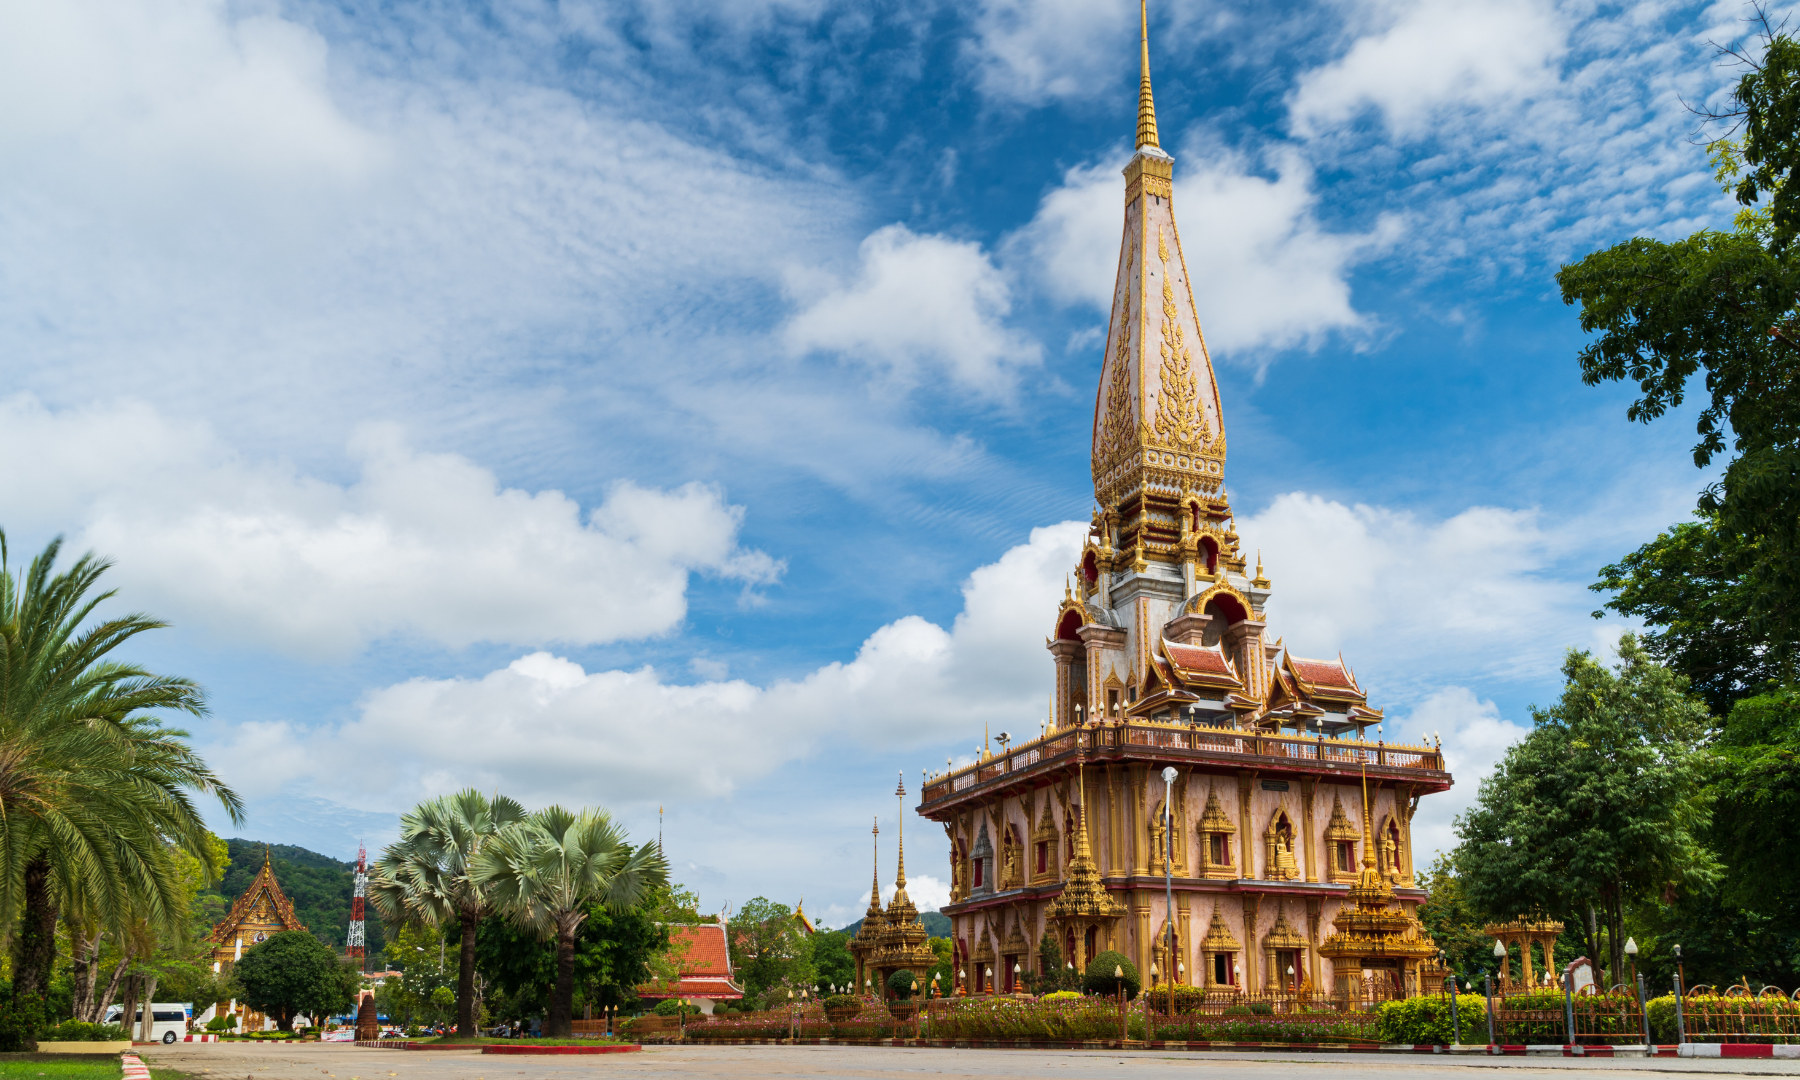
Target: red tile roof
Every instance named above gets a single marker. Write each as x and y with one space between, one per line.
705 966
1323 673
1199 658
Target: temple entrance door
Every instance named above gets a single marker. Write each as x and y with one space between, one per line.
1069 956
1221 969
1006 974
1093 940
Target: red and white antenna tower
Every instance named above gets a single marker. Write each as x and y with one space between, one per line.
355 938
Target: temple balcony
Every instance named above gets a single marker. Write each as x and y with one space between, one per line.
1227 749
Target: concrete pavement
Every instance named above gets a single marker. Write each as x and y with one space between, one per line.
338 1061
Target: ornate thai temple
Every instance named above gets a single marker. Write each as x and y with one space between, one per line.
262 910
1291 818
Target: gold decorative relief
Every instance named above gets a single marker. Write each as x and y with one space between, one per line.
1178 421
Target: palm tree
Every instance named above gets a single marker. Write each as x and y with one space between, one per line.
94 790
423 877
545 871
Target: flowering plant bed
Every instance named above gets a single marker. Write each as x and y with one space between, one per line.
1070 1020
1322 1027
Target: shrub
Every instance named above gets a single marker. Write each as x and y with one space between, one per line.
1428 1020
78 1031
21 1018
1099 978
1662 1018
1325 1026
843 1001
1186 997
900 984
675 1007
1062 995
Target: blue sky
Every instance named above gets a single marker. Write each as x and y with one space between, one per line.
687 403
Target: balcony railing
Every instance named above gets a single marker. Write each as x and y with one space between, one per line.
1184 742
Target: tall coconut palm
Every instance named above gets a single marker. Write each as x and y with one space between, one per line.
423 877
545 871
93 788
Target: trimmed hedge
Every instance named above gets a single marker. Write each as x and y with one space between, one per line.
1428 1020
1099 978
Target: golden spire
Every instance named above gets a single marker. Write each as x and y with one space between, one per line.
900 797
875 878
1146 129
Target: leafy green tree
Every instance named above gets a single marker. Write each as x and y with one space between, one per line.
292 973
832 963
1757 792
545 872
96 794
1691 583
427 876
419 952
1601 804
769 950
1454 923
1053 974
614 953
1725 306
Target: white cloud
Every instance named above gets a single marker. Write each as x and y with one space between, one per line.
206 207
1028 50
1475 738
1432 56
1266 273
917 305
545 729
1413 600
428 546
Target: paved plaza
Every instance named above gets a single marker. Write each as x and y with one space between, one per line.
326 1061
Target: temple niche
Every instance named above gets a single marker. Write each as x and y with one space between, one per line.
1291 813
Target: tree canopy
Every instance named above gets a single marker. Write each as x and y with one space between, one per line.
1603 802
291 973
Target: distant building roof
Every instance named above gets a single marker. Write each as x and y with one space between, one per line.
705 965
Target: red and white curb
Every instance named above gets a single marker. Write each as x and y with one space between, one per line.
197 1037
135 1069
1738 1050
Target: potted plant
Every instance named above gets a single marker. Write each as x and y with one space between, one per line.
902 985
841 1007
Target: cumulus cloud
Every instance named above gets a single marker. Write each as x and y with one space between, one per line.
1028 50
208 206
1266 273
545 728
1475 738
918 305
1410 598
420 545
1432 56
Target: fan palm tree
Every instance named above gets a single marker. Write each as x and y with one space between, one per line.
423 878
545 871
94 790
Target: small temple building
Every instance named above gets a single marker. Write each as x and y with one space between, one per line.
705 977
890 939
1290 838
262 910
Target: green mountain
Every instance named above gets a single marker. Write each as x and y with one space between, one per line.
319 886
936 924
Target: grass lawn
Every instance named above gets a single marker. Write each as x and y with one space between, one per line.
59 1067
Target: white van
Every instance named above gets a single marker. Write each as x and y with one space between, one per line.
168 1019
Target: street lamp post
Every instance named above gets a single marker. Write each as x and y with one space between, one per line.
1119 985
1680 1021
1631 950
1455 1013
